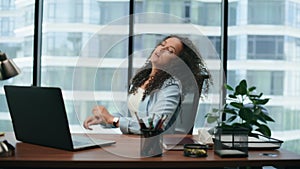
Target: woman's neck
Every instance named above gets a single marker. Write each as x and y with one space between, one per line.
152 74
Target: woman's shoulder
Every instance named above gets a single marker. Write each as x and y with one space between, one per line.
172 82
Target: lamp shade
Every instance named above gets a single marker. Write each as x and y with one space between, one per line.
8 68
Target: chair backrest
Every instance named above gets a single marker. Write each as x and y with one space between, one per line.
186 117
189 107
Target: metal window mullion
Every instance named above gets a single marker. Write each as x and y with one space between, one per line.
130 40
224 45
37 42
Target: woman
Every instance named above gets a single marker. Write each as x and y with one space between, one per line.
158 88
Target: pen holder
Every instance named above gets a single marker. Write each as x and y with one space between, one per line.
151 143
231 142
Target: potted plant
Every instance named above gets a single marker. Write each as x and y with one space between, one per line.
243 109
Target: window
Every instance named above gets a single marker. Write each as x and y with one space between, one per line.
232 47
292 46
265 47
62 44
232 12
216 42
85 45
110 11
6 25
187 11
28 15
267 58
270 83
17 46
85 49
178 12
50 11
6 4
206 13
266 12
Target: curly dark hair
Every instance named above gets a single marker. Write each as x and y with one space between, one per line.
191 58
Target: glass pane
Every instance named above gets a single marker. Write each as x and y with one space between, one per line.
266 12
16 31
85 48
268 58
199 21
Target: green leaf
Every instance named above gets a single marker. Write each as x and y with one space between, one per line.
255 123
230 111
243 125
251 88
228 87
237 105
247 126
212 119
231 119
259 115
232 96
257 112
246 114
265 130
241 89
255 95
262 119
243 83
267 117
261 101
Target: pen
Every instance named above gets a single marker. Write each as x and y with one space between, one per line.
161 122
141 123
150 120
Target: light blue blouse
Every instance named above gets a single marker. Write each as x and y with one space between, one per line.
165 101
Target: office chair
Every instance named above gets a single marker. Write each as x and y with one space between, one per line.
189 106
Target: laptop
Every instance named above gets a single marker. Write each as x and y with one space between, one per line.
39 117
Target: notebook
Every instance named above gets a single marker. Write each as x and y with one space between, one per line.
39 117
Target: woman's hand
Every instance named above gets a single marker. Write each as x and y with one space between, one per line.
100 115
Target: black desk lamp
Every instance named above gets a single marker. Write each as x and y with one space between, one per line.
8 69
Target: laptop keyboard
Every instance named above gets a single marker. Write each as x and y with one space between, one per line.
85 141
80 143
80 140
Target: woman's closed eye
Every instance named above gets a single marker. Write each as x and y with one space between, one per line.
169 49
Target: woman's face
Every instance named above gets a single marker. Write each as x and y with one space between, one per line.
166 51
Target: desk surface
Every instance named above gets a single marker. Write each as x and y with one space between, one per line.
125 154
